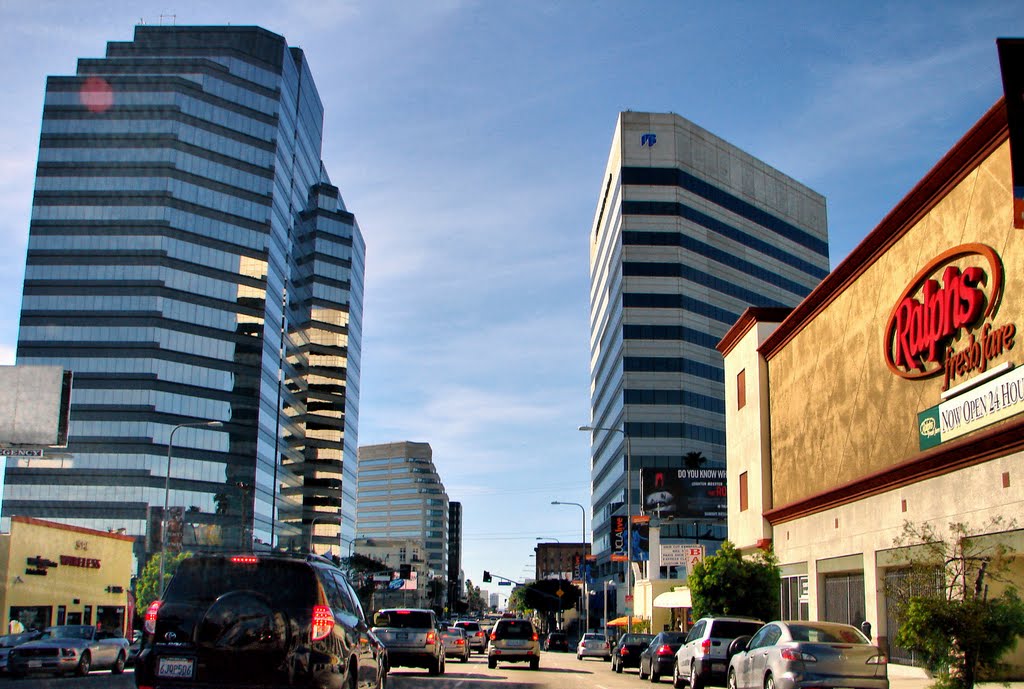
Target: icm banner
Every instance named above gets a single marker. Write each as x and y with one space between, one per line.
684 493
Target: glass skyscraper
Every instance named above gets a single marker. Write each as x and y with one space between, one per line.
688 232
190 261
401 496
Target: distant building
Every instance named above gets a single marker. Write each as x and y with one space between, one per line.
190 262
559 560
456 586
400 495
688 231
494 600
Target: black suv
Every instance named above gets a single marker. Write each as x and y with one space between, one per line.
413 638
271 620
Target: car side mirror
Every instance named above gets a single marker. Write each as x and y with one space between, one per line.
738 644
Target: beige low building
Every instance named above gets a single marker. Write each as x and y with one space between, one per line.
59 574
894 393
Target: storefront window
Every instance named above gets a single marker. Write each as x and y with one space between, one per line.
794 598
87 615
110 617
62 611
32 617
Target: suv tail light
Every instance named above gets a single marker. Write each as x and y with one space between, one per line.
664 650
493 636
624 651
323 622
431 637
534 637
150 621
879 659
705 647
480 634
245 560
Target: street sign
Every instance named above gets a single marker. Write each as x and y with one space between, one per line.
629 598
20 452
504 583
559 593
396 584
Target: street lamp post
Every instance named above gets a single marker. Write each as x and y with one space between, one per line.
167 489
629 516
586 613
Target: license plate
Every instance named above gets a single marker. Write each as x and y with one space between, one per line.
402 636
718 667
515 643
35 663
180 668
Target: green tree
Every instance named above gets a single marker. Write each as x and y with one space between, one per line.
942 606
517 601
147 586
727 583
474 597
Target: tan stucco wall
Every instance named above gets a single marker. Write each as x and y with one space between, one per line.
837 412
749 448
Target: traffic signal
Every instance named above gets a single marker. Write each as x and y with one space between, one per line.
487 577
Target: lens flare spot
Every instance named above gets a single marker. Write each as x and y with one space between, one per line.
96 94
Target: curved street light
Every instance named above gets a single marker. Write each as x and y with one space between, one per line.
586 614
167 488
629 515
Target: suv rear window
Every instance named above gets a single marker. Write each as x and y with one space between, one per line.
202 580
404 619
469 626
513 629
730 629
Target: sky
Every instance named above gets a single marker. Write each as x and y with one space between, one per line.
469 138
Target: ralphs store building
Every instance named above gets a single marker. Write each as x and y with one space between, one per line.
894 393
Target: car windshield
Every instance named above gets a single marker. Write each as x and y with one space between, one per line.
672 638
403 619
827 634
71 631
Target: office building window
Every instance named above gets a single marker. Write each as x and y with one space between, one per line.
743 492
741 389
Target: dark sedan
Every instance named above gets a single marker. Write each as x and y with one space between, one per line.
627 651
801 654
659 658
556 641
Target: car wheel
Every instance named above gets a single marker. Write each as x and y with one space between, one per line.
618 667
769 682
118 666
465 658
535 663
733 684
677 681
696 682
655 677
492 663
579 657
435 667
640 670
84 665
607 658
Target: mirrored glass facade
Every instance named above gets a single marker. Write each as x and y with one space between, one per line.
190 261
688 232
401 496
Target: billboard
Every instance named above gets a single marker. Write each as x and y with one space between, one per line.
684 493
619 539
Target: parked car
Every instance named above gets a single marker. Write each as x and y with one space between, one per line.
476 634
9 641
514 641
556 641
798 654
658 659
77 648
627 650
593 645
271 619
456 645
413 638
703 659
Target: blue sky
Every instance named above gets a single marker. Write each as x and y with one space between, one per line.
469 138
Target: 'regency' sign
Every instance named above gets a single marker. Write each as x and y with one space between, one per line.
940 323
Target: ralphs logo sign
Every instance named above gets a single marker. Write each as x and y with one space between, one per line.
958 290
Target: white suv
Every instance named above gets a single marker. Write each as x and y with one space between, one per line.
514 641
703 658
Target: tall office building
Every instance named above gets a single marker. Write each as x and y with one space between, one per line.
191 262
455 587
689 231
400 495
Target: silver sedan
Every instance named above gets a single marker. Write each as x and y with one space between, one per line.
797 654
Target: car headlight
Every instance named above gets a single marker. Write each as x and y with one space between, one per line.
68 652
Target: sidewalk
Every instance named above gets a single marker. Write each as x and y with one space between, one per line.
908 677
